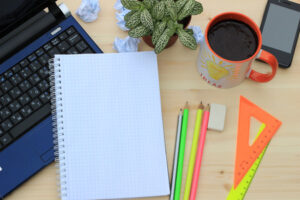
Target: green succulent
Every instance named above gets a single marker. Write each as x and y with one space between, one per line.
160 18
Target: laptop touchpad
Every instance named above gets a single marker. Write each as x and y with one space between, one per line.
43 140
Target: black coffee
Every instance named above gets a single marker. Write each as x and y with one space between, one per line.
233 40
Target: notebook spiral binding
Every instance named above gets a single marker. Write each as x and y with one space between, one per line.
57 123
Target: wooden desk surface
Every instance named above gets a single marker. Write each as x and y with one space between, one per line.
278 176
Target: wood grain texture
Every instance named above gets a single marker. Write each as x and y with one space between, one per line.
278 176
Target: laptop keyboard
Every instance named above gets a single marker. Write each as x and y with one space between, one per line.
25 87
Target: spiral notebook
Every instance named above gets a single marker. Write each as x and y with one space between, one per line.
108 126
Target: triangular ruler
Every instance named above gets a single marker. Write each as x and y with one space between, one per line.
240 191
245 154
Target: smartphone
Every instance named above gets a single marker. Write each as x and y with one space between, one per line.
280 29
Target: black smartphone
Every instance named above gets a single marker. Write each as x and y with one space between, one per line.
280 29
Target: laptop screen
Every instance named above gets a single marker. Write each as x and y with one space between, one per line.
14 12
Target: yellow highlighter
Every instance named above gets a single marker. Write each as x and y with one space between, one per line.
193 153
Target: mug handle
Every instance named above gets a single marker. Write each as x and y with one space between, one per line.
269 59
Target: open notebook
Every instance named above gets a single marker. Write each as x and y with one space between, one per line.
108 126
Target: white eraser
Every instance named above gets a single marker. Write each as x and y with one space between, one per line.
217 117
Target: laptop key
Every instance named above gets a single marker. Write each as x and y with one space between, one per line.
45 97
24 63
5 113
16 68
53 51
47 46
14 106
26 111
55 41
43 85
5 99
63 36
44 72
35 65
6 125
44 59
63 46
25 85
15 92
24 99
35 104
73 39
8 74
2 79
33 119
81 46
5 139
6 86
70 30
39 52
16 118
32 57
1 133
15 79
34 79
33 92
25 73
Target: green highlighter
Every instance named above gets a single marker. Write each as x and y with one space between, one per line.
181 152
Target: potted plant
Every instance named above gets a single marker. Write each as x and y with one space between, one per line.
161 22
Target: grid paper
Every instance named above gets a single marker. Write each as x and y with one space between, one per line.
113 126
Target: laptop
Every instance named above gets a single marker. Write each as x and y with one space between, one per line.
31 32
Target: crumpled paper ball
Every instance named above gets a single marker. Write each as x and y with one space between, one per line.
119 6
121 22
121 12
198 35
88 10
127 44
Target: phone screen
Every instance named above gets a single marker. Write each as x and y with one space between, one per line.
280 28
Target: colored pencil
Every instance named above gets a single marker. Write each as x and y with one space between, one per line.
176 154
181 152
193 152
199 154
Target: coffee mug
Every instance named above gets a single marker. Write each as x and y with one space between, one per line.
224 73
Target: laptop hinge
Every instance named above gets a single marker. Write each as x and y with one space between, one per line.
60 12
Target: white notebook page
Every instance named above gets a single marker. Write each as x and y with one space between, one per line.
113 126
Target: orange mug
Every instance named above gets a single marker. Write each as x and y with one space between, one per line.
224 73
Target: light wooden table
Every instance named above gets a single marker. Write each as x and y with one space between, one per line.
278 176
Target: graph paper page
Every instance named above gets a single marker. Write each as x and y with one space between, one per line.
113 127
